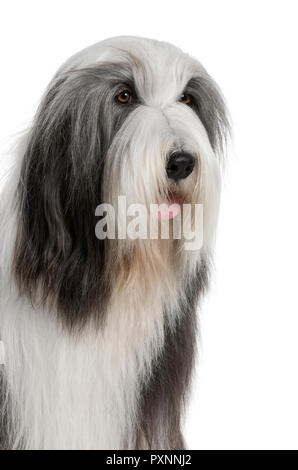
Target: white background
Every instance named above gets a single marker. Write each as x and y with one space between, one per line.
246 394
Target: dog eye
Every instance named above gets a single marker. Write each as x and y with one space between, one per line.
124 97
185 98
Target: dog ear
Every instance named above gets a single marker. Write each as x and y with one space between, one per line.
209 105
57 253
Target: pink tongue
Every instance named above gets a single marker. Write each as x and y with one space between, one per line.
168 211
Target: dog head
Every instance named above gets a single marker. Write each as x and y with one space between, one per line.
126 117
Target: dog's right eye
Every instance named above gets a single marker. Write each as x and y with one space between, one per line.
124 97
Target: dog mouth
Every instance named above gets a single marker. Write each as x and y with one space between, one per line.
171 208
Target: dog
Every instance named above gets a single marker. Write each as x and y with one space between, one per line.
100 333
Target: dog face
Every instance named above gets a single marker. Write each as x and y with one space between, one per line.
127 117
144 101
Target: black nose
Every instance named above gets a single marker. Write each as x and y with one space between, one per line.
180 165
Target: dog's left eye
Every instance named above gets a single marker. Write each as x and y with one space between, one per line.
124 97
185 98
